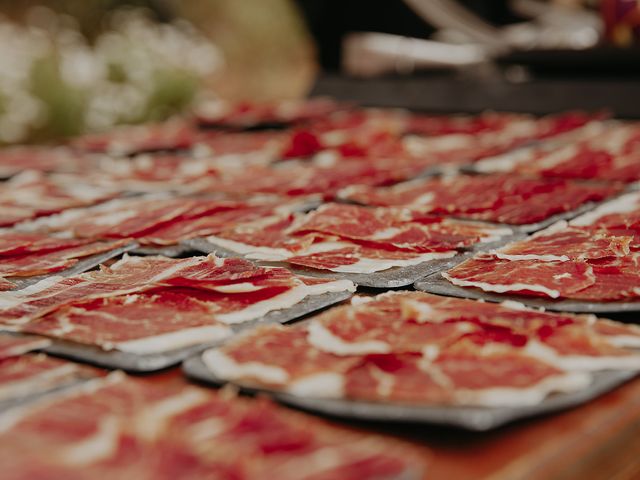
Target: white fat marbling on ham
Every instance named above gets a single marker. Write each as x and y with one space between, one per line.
285 300
322 338
372 265
623 204
324 385
226 368
173 340
500 288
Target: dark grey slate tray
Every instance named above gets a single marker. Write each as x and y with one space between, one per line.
133 362
469 418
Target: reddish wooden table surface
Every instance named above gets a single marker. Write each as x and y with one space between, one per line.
599 440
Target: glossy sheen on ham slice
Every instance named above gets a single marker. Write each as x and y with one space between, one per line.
179 431
509 199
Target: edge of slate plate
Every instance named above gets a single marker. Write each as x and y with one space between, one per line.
133 362
439 285
82 266
394 277
469 418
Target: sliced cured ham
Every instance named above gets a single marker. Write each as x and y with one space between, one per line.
31 374
351 239
159 221
249 115
397 229
179 431
17 159
280 357
593 258
507 198
320 178
31 194
127 140
20 243
410 322
563 244
14 345
148 173
526 277
148 322
412 347
45 262
231 290
603 153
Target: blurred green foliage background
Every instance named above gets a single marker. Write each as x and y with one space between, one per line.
72 66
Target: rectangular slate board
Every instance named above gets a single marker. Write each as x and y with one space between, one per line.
469 418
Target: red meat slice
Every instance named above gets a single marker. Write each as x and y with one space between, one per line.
32 194
615 279
14 160
19 243
171 135
108 321
414 322
498 198
162 221
391 228
265 146
309 179
231 284
283 350
365 329
13 345
208 224
570 243
24 375
5 284
474 373
132 274
526 277
40 263
396 378
343 257
150 430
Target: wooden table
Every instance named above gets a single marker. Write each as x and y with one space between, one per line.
597 441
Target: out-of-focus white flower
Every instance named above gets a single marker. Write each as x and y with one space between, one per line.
115 78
